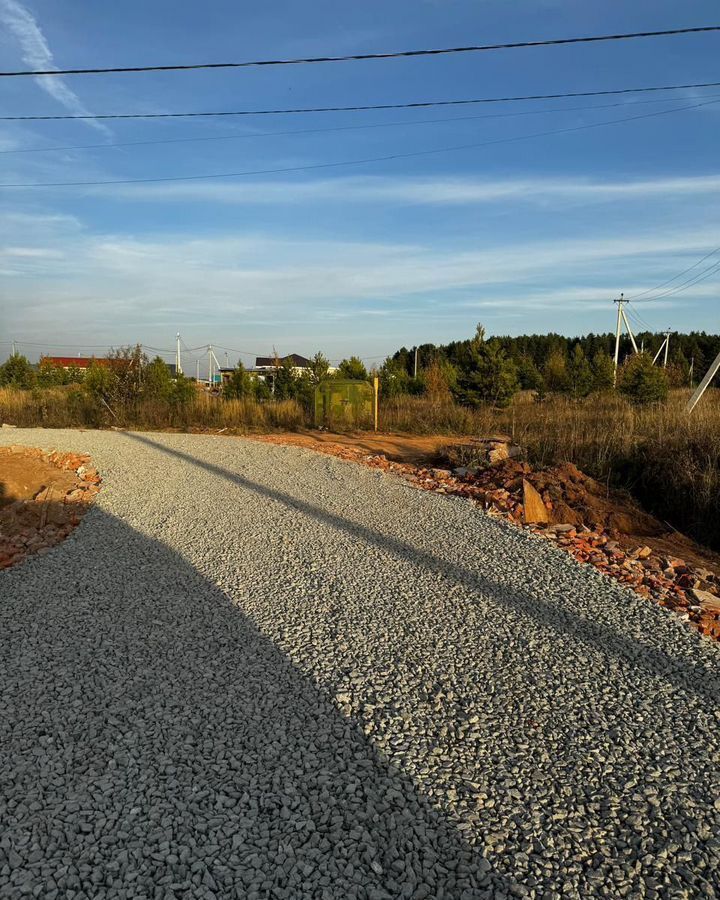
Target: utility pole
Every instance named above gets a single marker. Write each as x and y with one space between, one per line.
621 319
197 370
692 370
416 360
702 387
226 360
666 347
210 365
178 362
14 350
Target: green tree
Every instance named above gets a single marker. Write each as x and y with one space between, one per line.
579 373
183 389
642 382
17 371
102 382
50 375
353 368
603 372
485 374
157 380
529 375
319 367
394 378
555 371
240 384
285 382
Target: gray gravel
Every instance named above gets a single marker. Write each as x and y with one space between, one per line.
257 672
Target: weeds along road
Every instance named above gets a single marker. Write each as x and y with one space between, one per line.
256 672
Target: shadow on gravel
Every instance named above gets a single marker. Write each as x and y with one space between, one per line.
156 744
683 673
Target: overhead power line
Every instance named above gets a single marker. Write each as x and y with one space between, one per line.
418 104
675 277
395 54
351 162
685 285
334 128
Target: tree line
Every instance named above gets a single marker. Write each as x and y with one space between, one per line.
492 370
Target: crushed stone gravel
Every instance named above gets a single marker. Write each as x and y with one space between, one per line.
257 672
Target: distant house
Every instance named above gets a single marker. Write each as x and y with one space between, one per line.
75 362
84 362
266 365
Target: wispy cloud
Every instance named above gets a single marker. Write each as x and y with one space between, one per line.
36 53
420 191
254 288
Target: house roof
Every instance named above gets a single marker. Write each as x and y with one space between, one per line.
301 362
81 362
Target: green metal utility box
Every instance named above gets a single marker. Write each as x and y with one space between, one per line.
344 403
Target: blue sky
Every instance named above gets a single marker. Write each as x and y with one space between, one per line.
533 235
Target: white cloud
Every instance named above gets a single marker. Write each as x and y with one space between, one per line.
139 282
36 53
419 191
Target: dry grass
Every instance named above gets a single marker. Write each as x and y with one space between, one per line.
73 408
669 460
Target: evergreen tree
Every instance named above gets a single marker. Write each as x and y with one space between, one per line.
285 382
555 371
529 375
319 367
641 381
603 372
353 368
239 385
579 373
485 374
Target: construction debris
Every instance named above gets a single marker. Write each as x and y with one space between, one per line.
43 497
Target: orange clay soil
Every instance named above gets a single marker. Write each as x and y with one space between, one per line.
43 496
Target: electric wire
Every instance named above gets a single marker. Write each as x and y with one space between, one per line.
353 162
354 57
367 126
685 285
419 104
675 277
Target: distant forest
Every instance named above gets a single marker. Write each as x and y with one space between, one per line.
697 348
538 348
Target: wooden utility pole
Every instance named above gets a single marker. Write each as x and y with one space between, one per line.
376 387
178 361
416 361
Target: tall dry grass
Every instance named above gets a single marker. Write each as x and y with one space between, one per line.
72 408
666 458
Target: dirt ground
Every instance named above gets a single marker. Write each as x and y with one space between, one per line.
43 496
403 448
23 477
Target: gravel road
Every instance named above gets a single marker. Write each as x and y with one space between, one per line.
256 672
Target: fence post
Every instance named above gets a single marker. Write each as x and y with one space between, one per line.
376 385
